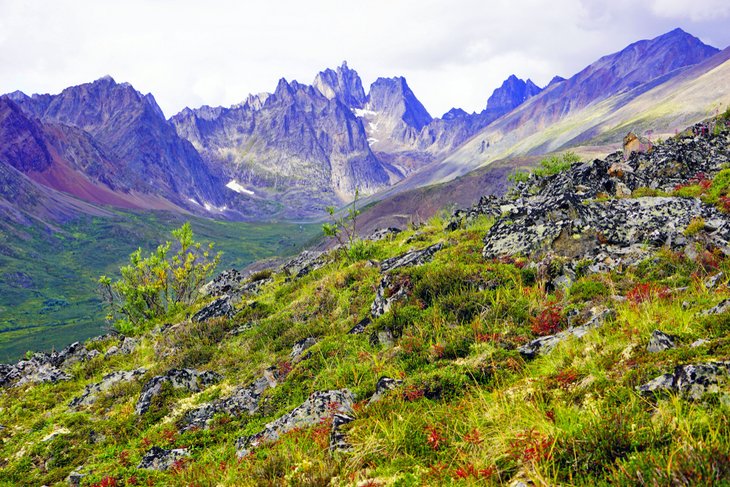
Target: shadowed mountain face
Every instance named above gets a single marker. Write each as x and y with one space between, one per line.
129 130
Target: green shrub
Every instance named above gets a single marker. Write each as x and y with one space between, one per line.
151 287
587 290
556 164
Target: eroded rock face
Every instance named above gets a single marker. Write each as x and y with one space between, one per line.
92 391
160 459
338 440
188 379
389 291
224 283
320 405
45 367
244 400
221 307
692 381
383 233
545 344
127 345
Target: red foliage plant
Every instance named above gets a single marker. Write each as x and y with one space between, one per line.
412 392
548 321
434 437
469 470
531 446
106 482
646 291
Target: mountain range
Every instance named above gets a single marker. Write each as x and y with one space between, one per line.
291 153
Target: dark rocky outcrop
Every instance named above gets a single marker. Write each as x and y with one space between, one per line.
414 257
692 381
45 367
660 341
160 459
338 440
320 405
244 400
221 307
92 391
300 347
390 290
304 263
188 379
543 345
384 385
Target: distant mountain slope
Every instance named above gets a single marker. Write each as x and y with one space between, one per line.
611 82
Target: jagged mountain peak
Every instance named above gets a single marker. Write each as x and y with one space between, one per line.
343 83
394 97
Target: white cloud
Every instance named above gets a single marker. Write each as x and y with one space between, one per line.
452 53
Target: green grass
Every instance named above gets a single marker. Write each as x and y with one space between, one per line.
471 411
48 280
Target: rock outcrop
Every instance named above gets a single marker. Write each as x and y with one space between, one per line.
320 405
92 391
160 459
45 367
692 381
188 379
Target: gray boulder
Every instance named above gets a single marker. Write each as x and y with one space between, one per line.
660 341
384 385
244 400
126 346
692 381
305 263
383 233
300 347
160 459
92 391
545 344
414 257
390 290
720 308
45 367
319 406
216 309
338 440
188 379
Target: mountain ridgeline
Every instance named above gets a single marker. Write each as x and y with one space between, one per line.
291 153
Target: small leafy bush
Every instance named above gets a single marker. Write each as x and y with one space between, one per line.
153 286
556 164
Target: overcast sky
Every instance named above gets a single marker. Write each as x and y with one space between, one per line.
452 52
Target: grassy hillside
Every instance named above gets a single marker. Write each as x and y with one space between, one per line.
48 279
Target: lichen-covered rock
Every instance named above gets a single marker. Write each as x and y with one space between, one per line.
659 342
216 309
384 385
319 406
414 257
720 308
92 391
160 459
300 347
338 440
244 400
360 326
227 282
545 344
45 367
126 346
390 290
692 381
305 263
383 233
188 379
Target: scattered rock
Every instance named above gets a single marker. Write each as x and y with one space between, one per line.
243 400
384 385
713 281
220 307
660 341
188 379
319 406
225 283
127 345
360 326
305 263
692 381
92 391
545 344
74 479
636 143
240 329
160 459
300 347
390 290
720 308
383 233
45 367
414 257
338 441
699 343
382 338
